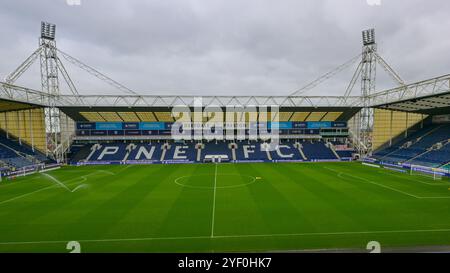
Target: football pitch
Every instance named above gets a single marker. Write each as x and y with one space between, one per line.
222 207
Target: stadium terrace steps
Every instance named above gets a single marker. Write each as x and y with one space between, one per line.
79 152
18 162
20 154
15 162
345 154
188 152
384 153
300 150
12 157
334 152
216 149
435 157
423 148
317 151
417 156
342 149
144 152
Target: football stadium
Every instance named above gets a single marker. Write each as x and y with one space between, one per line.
177 173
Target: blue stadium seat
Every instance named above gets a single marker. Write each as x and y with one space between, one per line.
187 152
317 151
215 149
15 154
420 150
345 154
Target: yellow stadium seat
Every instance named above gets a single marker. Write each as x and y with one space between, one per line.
164 116
92 116
146 116
129 116
331 116
299 116
284 116
315 116
110 116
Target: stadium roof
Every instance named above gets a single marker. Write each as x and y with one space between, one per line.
27 95
431 105
6 105
145 114
427 97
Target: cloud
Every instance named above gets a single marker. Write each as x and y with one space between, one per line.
258 47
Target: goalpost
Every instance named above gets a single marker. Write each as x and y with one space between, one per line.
434 173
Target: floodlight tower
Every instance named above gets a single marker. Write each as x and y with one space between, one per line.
368 80
49 68
50 84
58 127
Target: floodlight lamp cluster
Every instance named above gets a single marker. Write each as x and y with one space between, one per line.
368 37
48 31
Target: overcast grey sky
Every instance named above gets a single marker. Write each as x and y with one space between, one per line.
241 47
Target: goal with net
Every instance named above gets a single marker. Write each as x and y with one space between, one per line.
434 173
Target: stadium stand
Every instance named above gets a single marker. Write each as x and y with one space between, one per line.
317 151
315 116
217 149
152 142
119 116
191 152
435 156
428 147
11 158
345 154
18 154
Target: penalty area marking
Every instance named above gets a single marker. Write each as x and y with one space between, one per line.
371 182
387 187
441 183
112 240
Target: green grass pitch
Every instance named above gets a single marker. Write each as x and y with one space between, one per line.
223 207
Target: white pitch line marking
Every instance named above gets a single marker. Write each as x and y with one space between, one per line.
82 186
232 236
84 178
332 233
390 188
434 197
374 183
26 194
214 202
413 180
253 180
57 181
39 190
7 183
